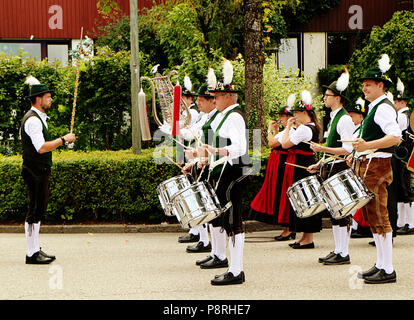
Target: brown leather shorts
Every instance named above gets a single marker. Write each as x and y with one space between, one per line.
378 177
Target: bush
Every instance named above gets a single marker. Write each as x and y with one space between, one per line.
110 186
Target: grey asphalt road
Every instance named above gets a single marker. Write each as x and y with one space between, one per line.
154 266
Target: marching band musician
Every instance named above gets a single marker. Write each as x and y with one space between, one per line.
404 194
37 162
339 136
265 205
300 153
228 154
379 133
206 104
218 254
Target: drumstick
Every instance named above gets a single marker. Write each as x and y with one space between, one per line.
174 162
347 140
334 156
184 146
296 165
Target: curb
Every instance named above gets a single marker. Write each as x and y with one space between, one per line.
251 226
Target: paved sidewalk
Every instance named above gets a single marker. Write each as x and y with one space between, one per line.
154 266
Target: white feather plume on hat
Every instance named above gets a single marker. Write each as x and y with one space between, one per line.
360 101
400 86
384 63
30 80
154 69
343 81
390 96
290 101
211 78
187 83
306 97
227 72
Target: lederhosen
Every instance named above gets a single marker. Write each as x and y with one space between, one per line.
36 170
378 178
300 154
330 169
230 184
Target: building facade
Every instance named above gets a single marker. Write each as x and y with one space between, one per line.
50 28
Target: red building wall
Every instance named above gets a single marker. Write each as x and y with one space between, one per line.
342 18
52 19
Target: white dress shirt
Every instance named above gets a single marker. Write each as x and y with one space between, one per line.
345 128
386 118
196 128
301 134
34 129
233 128
402 119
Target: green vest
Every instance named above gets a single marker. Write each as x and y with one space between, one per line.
369 129
206 129
333 137
218 141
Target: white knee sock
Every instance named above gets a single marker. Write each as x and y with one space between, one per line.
213 240
220 243
194 231
337 238
345 236
378 244
203 235
402 216
236 253
387 252
409 213
32 237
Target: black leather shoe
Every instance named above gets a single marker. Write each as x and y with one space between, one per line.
199 247
381 277
403 230
37 258
215 263
368 273
207 259
228 278
294 244
337 259
305 246
328 256
292 235
189 237
46 255
410 231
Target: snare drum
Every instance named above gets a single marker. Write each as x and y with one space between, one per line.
196 205
305 198
167 190
344 193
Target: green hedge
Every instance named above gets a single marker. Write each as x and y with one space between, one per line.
100 186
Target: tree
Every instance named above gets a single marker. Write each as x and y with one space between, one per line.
254 59
395 38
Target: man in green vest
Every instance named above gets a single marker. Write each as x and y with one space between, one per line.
36 168
379 133
338 136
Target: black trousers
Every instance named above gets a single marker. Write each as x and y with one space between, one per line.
37 179
230 188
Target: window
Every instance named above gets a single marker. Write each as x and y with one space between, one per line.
33 49
58 52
